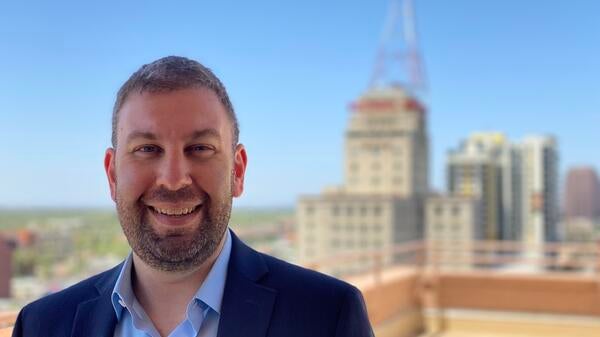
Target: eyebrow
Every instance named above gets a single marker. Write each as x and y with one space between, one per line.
141 134
209 132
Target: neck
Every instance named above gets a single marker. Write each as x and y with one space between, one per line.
165 295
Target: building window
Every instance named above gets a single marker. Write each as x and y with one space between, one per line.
363 242
455 210
335 210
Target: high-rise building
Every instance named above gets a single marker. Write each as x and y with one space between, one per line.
487 166
540 190
517 185
386 145
5 267
386 180
582 194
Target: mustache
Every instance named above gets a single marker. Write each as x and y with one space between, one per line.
184 194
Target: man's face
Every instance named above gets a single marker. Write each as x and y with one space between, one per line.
173 175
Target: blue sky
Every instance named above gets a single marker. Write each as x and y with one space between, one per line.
291 69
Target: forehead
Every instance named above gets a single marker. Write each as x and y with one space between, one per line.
173 114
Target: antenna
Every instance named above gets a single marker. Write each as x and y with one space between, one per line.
398 60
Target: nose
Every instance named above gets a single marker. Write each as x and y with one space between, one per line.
174 172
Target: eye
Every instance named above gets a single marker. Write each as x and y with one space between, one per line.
148 149
200 149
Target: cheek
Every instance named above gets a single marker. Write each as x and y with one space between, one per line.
133 181
214 180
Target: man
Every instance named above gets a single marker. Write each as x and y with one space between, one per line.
173 170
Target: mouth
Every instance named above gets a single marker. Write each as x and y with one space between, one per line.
174 212
174 215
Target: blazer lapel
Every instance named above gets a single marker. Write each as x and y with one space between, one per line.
96 317
247 306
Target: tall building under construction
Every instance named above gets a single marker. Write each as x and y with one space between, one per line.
488 167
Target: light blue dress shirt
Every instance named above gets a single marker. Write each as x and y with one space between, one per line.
202 314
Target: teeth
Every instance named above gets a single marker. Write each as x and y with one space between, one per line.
178 211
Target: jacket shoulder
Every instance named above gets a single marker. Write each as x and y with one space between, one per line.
58 309
316 301
76 293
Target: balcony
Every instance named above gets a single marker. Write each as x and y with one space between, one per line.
488 288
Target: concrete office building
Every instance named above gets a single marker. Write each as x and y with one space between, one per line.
540 190
387 145
381 200
582 194
452 223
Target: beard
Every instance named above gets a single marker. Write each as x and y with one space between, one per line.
176 249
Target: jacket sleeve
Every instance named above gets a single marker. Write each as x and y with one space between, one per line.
18 328
353 320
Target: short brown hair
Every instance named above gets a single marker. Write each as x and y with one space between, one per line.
168 74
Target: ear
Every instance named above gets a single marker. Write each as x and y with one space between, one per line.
240 160
109 168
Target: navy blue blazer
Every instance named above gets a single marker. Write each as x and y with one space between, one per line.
264 297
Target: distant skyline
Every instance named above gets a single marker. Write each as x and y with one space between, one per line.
291 69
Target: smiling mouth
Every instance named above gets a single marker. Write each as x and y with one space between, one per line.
175 212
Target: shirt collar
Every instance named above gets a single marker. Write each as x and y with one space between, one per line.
210 293
122 294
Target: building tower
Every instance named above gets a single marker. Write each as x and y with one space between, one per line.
581 202
487 167
582 194
540 190
386 145
381 200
